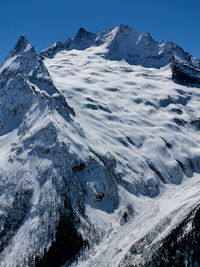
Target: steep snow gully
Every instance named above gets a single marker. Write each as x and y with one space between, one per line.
100 153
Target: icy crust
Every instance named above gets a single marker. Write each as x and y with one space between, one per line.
137 48
150 127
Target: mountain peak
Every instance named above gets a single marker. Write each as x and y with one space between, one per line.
84 37
123 27
135 47
80 33
81 30
21 46
21 43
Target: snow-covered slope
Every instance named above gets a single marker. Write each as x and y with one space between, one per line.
35 119
150 126
100 153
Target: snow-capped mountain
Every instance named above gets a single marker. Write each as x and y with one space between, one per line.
137 48
100 154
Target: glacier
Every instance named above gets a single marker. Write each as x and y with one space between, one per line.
99 152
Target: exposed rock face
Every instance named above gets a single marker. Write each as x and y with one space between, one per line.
83 39
185 68
185 74
179 248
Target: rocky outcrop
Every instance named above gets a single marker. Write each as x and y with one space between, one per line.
180 247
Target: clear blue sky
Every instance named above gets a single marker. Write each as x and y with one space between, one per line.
44 22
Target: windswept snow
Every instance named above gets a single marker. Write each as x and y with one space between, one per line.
147 122
99 148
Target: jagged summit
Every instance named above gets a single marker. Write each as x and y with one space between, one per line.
83 39
137 48
122 28
120 33
21 43
80 32
21 46
22 59
24 81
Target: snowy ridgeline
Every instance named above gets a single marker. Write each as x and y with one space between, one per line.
137 48
99 150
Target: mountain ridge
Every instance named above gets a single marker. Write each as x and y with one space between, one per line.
137 48
99 154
